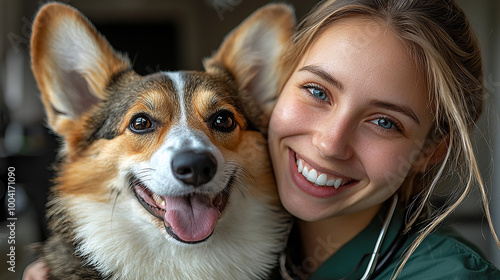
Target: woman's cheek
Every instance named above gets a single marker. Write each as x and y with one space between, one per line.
281 119
388 166
292 114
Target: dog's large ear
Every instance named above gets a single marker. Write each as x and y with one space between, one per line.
251 53
72 64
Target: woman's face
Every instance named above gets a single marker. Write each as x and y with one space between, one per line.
350 122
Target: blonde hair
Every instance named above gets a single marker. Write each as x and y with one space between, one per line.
440 40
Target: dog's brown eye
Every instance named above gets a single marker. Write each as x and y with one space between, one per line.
141 124
223 121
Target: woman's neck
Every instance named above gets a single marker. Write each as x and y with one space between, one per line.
322 239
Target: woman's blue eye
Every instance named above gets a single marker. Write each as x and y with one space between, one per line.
318 93
385 123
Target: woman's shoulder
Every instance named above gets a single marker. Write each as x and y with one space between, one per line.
444 254
446 250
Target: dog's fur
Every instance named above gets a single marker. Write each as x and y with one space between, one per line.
125 135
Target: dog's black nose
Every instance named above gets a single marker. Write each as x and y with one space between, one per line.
194 168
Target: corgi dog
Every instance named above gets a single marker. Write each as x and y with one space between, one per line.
164 176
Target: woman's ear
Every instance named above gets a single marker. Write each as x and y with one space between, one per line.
431 155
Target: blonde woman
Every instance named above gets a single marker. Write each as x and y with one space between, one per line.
378 104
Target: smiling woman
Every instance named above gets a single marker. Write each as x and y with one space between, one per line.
356 117
379 100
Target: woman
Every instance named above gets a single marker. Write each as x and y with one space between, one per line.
379 103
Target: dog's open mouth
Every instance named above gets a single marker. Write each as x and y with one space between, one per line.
189 219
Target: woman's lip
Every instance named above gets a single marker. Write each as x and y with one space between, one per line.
309 188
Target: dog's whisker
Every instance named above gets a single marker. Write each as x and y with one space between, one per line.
118 193
114 203
244 173
144 170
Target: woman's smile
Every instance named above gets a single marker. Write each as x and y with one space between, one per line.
315 180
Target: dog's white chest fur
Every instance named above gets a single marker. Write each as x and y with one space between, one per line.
127 246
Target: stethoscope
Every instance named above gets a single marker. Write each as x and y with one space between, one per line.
374 265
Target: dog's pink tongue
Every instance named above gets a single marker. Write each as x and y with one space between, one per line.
192 218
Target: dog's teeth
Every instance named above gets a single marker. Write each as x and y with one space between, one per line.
217 200
159 200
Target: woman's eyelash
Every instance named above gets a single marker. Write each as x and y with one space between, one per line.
316 91
383 123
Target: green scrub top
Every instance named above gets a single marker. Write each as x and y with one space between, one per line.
442 255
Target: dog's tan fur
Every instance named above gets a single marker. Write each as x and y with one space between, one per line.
92 98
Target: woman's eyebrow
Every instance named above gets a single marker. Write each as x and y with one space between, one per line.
397 108
323 74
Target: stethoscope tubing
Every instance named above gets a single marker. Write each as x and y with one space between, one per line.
378 245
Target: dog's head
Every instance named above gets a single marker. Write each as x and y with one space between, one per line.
179 143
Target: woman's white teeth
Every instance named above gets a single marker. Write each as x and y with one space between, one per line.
159 200
300 166
321 180
337 183
305 172
313 177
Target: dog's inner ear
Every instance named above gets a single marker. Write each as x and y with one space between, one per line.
78 98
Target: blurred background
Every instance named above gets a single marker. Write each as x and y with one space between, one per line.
176 35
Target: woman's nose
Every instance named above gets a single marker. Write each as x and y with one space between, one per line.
334 139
